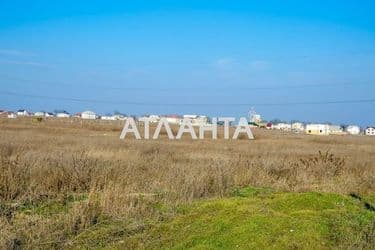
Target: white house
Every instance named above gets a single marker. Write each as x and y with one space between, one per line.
173 119
12 115
317 129
298 127
90 115
22 112
370 131
151 118
202 120
49 114
255 118
108 117
197 120
120 117
62 114
39 113
353 130
283 126
336 130
154 118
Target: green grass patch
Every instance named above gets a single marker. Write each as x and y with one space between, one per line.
260 218
250 218
51 207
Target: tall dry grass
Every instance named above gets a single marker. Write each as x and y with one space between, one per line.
55 162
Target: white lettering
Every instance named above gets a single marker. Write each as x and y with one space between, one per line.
226 121
130 123
209 127
186 127
243 127
146 121
163 121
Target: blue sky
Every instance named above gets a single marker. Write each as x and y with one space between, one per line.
116 54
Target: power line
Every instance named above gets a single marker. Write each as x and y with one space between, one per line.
169 89
96 101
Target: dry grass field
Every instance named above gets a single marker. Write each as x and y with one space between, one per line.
60 179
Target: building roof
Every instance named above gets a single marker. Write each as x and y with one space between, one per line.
191 116
88 112
172 116
62 112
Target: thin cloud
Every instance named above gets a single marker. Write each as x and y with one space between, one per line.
26 63
225 63
10 52
259 65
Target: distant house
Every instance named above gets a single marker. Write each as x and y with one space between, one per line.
370 131
298 127
62 114
40 113
353 130
12 115
120 117
108 117
255 118
22 112
3 113
317 129
197 120
269 125
49 114
89 115
283 126
173 119
154 118
151 118
336 130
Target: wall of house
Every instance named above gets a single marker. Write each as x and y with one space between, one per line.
317 129
370 131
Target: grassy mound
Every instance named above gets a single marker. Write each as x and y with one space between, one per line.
251 219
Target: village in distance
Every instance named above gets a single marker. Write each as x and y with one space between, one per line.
255 120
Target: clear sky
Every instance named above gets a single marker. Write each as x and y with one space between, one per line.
167 57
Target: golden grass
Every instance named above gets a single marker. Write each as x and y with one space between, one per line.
55 160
